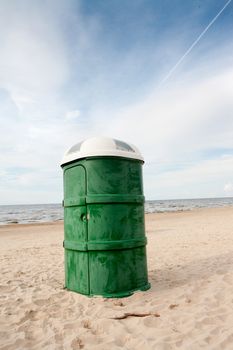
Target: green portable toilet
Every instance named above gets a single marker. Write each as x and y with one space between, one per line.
105 243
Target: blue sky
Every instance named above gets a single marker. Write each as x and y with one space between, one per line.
70 70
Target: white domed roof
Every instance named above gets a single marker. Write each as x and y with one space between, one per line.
101 146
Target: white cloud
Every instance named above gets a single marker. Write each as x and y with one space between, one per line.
228 188
72 115
3 173
21 100
203 179
34 64
184 118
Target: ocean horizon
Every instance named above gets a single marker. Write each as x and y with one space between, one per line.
36 213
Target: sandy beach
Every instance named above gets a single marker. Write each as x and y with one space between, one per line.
189 305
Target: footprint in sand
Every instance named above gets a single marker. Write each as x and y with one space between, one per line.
41 302
173 306
118 303
4 288
228 279
151 322
87 324
77 343
29 315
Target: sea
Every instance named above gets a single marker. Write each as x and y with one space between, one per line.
36 213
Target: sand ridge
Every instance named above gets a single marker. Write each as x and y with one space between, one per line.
189 306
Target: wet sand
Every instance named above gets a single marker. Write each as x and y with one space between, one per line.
189 306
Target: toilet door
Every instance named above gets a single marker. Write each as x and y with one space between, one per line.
75 224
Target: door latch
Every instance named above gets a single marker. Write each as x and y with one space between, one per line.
85 217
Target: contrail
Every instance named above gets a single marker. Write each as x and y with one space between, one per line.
194 44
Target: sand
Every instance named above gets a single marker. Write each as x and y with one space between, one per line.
190 261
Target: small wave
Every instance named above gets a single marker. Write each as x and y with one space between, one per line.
54 212
13 221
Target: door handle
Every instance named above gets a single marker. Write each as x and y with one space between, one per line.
85 217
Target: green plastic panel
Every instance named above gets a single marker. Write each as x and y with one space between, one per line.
76 271
123 271
115 221
115 176
74 183
76 227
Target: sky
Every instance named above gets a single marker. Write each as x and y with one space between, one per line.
71 69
